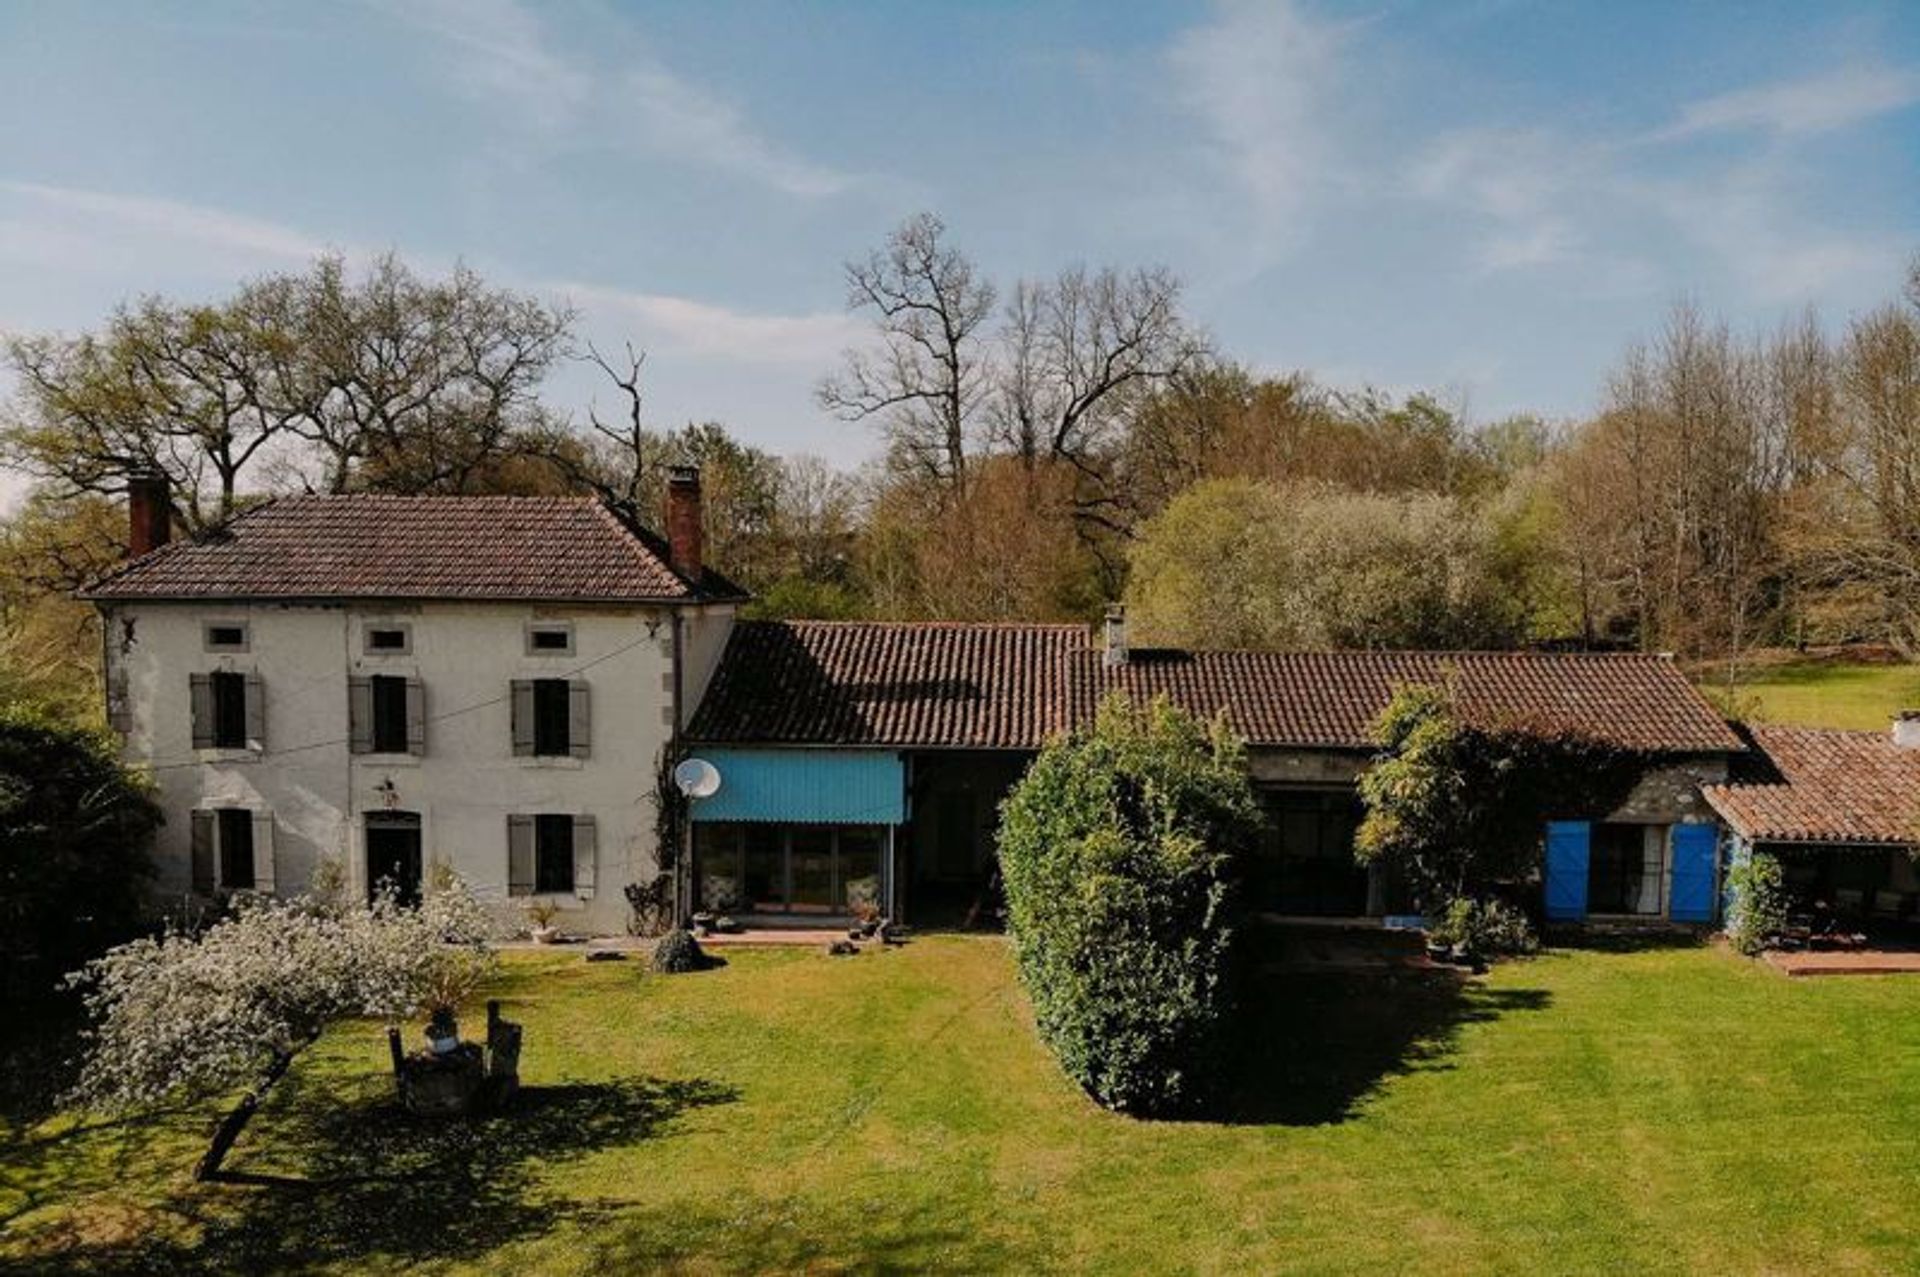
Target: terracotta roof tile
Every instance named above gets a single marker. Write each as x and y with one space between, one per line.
921 684
1011 686
492 547
1805 784
1330 699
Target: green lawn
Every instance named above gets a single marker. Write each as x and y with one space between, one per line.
1823 693
1644 1111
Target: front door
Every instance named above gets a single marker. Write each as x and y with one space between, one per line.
393 856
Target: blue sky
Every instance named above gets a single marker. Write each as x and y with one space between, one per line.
1486 199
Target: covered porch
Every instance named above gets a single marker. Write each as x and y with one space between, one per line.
798 837
1839 813
1848 895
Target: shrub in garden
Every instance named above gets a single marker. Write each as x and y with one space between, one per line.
1457 803
1759 907
677 953
1484 928
1119 849
74 831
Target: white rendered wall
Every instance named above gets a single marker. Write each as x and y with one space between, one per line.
466 783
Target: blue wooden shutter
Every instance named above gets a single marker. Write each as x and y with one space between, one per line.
1694 852
1568 845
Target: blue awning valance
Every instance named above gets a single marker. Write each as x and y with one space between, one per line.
806 786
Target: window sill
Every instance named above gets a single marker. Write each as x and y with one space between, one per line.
560 762
228 755
388 760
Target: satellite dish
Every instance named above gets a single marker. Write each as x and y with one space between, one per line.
697 778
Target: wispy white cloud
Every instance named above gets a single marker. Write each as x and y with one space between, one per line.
1804 107
176 220
1261 77
1605 210
678 118
700 329
502 51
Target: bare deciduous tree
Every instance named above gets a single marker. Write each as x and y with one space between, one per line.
927 381
1078 351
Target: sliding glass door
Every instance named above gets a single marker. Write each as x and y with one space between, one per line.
823 870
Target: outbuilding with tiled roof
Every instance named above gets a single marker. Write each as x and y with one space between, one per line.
1840 812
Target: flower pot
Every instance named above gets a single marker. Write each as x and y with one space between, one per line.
545 935
444 1046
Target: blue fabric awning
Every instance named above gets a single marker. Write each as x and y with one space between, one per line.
806 786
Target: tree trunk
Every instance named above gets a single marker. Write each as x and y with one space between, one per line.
237 1118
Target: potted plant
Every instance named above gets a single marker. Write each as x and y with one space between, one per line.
541 913
863 902
443 1030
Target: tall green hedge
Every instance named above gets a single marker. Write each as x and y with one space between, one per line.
1119 850
74 833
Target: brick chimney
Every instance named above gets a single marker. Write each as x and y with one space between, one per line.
683 521
1116 649
149 512
1906 729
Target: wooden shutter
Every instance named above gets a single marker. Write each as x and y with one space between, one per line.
416 716
200 690
522 699
256 712
203 848
579 717
519 855
584 858
1569 848
359 714
1696 856
263 851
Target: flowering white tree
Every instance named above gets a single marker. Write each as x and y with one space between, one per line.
194 1015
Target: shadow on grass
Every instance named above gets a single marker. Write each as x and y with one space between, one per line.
1316 1045
1601 939
376 1183
39 1039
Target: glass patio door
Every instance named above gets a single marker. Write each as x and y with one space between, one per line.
810 863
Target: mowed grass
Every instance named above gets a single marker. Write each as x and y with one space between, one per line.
1664 1110
1824 694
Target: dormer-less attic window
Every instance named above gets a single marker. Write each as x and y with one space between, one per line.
550 640
226 636
389 640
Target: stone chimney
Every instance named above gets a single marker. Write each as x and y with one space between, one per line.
683 521
149 512
1116 648
1906 729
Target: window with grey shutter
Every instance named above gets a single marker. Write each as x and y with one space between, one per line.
416 716
519 855
233 848
522 701
263 877
579 718
553 854
359 714
202 827
201 692
584 856
256 713
389 714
